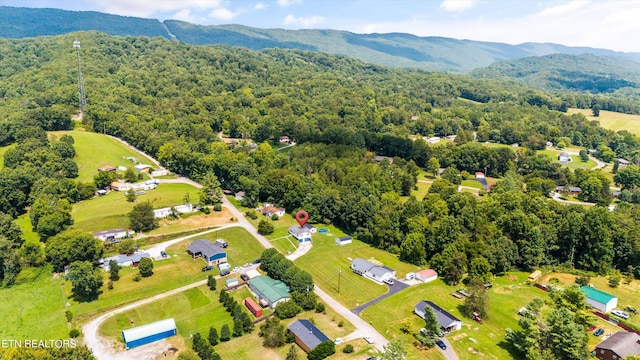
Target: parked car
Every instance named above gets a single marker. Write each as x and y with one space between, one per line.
591 328
244 277
389 281
256 261
598 332
462 292
225 273
163 254
368 339
620 313
487 286
338 341
207 268
441 344
631 310
222 243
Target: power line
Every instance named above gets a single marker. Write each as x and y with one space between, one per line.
82 101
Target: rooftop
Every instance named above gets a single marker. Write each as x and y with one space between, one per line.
298 231
622 343
427 273
444 318
142 331
273 290
361 265
308 333
597 295
204 247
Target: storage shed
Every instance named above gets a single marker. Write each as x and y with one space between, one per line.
427 275
149 333
599 299
255 309
344 240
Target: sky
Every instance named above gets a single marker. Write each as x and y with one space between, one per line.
609 24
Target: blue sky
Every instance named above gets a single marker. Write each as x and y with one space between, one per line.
611 24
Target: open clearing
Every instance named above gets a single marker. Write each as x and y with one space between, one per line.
3 150
110 211
95 150
612 120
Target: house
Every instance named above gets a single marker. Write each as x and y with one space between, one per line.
162 213
564 157
284 139
240 195
426 275
573 190
534 275
592 151
549 144
433 140
113 234
184 209
618 346
210 252
623 163
368 269
451 137
142 168
344 240
479 175
300 233
379 159
312 229
599 299
253 307
122 260
446 321
306 335
107 168
270 210
120 186
148 333
162 172
273 292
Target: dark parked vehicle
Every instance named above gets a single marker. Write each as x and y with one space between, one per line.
207 268
222 243
256 261
225 273
441 344
244 277
599 332
163 254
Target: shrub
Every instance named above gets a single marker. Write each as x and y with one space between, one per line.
110 285
69 315
217 207
74 333
275 217
265 227
320 308
251 214
348 349
341 323
137 278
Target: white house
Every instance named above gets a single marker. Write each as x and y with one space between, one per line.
564 157
433 140
142 167
184 209
162 172
368 269
113 234
446 321
599 299
120 186
270 210
344 240
300 233
162 213
426 275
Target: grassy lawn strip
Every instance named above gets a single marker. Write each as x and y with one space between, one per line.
110 211
612 120
177 270
34 307
95 150
24 221
3 150
473 340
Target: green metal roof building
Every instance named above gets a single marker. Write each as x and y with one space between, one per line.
273 291
600 299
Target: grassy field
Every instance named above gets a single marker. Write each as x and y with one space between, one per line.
110 211
3 150
24 221
472 183
612 120
177 270
576 162
34 307
95 150
473 340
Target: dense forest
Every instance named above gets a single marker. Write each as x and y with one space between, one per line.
172 99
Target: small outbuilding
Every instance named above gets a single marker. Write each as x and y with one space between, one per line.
255 309
307 335
599 299
113 234
231 282
310 228
142 168
534 275
427 275
107 168
210 252
149 333
446 321
344 240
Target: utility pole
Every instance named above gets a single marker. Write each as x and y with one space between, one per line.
82 101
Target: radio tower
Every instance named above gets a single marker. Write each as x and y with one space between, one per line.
82 99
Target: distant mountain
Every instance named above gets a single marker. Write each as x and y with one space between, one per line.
394 49
582 73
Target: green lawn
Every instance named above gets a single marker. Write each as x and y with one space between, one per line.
24 221
472 183
177 270
95 150
194 310
34 307
473 340
3 150
110 211
612 120
576 162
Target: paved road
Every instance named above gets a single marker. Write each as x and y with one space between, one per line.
556 197
449 353
397 286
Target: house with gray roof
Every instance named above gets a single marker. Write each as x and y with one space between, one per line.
307 335
446 321
300 233
211 253
372 271
618 346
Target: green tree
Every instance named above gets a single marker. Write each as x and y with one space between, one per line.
595 110
322 350
10 230
104 178
237 327
213 336
452 175
273 333
146 267
413 250
225 333
265 227
86 280
292 354
211 192
141 218
31 254
127 246
130 175
431 321
584 156
395 350
433 166
287 310
211 282
478 300
480 269
130 195
71 246
568 338
114 270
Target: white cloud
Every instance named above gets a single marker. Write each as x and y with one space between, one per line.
222 14
303 21
457 5
286 3
259 6
184 15
146 8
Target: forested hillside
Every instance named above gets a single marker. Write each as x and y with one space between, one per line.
561 72
172 99
395 49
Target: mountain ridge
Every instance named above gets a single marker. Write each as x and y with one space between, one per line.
433 53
